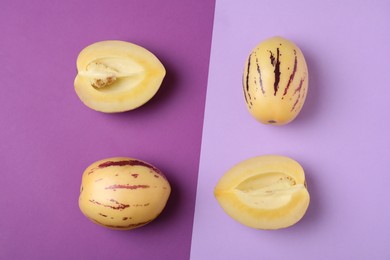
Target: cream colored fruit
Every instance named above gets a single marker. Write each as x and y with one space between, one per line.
123 193
275 81
117 76
265 192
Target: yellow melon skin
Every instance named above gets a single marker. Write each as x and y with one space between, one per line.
117 76
264 192
275 81
123 193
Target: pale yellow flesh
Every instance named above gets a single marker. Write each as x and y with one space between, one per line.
142 201
275 81
266 192
117 76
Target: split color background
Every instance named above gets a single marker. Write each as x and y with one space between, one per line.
48 137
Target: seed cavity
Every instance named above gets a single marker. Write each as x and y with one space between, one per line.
268 190
104 72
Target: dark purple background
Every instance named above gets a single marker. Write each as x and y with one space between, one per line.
48 137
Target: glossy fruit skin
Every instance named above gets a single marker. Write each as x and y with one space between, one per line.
275 81
286 200
123 193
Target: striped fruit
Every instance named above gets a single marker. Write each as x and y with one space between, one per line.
123 193
264 192
275 81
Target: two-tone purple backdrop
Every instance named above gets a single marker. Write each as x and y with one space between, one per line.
48 137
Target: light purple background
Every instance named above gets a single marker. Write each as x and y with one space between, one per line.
48 137
341 137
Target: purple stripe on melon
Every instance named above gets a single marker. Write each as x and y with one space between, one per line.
119 207
92 171
292 74
259 72
131 162
296 102
303 96
275 62
298 90
277 72
122 227
246 84
243 87
140 205
302 99
129 187
300 86
272 58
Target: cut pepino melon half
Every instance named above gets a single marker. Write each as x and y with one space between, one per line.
265 192
117 76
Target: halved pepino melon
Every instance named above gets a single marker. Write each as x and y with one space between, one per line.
117 76
265 192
